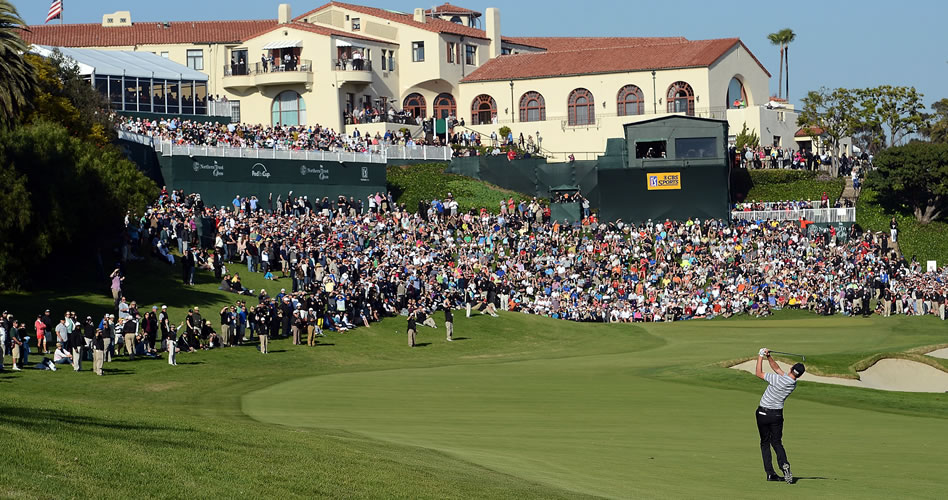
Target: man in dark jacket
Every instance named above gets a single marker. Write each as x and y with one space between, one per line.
99 352
412 326
76 346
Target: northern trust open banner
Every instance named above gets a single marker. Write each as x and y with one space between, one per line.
219 179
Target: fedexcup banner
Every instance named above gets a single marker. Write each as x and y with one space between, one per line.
663 180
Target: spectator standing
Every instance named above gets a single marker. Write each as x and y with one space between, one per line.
99 346
16 344
116 286
40 327
412 325
448 320
77 345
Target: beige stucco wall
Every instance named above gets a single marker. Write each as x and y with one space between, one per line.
325 93
767 123
558 137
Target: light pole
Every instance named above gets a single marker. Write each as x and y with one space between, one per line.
512 119
654 95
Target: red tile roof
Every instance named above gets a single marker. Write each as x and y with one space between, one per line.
320 30
608 59
96 35
446 8
809 132
430 24
561 43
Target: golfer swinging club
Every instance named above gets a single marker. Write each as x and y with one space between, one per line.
770 413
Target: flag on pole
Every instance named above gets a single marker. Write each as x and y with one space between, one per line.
55 11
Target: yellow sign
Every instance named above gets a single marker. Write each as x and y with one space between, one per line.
663 180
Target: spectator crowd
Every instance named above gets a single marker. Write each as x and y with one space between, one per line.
466 142
344 264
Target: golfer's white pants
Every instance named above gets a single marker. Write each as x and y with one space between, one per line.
171 352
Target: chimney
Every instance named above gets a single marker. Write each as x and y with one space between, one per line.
492 28
283 14
420 16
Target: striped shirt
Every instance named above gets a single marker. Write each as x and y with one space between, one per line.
778 391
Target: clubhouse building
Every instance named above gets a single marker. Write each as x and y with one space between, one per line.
349 66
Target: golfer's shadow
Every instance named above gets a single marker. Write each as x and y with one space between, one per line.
422 344
798 478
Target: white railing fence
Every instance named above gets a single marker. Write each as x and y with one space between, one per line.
375 154
818 215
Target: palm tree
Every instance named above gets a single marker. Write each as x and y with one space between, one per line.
19 79
787 36
776 41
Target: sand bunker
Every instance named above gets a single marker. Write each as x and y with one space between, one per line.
940 353
887 375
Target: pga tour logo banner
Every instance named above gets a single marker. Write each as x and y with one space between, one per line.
663 180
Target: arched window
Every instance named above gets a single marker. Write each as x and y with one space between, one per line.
457 20
631 101
532 107
582 107
483 110
416 105
288 108
444 106
681 99
736 97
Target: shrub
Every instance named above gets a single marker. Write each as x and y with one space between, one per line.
425 182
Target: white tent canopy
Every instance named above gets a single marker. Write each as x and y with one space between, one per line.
342 43
121 62
282 44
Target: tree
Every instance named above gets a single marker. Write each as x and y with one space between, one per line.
897 110
788 37
782 39
746 138
936 124
914 177
62 96
777 41
18 81
832 114
63 199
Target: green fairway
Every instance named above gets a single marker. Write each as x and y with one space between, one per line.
632 424
522 407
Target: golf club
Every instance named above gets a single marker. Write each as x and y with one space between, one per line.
802 357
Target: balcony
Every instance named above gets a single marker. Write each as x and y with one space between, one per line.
352 70
245 76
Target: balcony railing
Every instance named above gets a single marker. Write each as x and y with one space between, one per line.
258 68
818 215
351 65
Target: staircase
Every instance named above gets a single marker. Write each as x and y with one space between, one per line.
849 192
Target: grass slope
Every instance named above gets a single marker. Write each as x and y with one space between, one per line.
522 407
925 241
780 185
427 182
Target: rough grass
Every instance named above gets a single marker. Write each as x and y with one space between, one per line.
781 185
923 241
518 407
426 182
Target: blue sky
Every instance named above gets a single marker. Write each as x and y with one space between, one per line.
840 43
